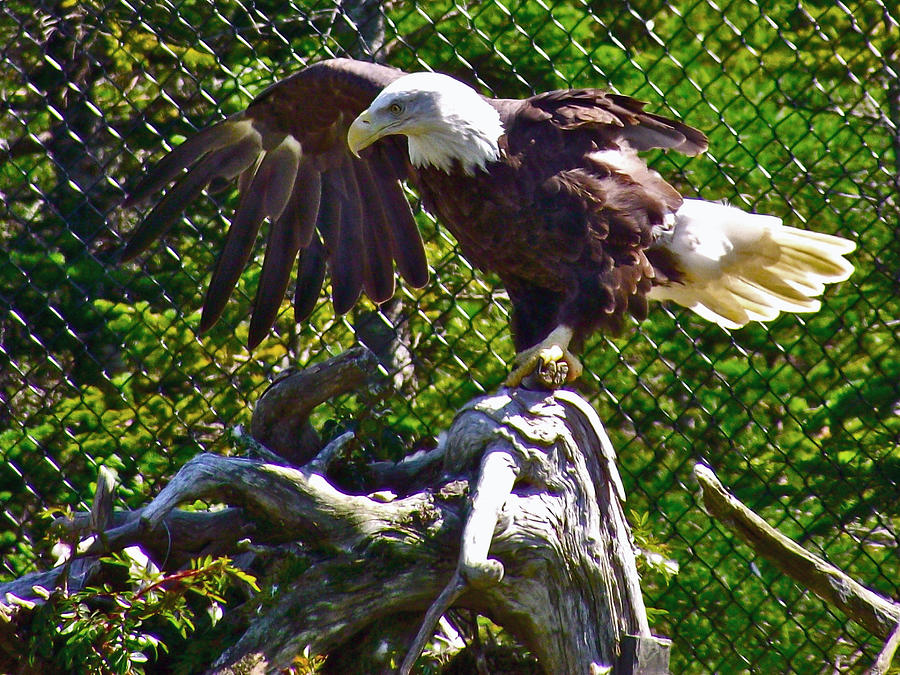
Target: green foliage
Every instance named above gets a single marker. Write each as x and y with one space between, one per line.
107 630
655 555
488 647
306 664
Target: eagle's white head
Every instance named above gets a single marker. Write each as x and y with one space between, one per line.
444 120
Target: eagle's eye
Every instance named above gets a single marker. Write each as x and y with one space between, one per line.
395 108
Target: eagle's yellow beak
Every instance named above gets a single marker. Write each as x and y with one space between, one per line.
362 133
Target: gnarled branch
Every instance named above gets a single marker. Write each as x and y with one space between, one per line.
869 609
541 545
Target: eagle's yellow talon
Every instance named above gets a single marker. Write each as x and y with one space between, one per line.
551 362
552 353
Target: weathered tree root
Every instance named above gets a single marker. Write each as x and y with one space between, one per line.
281 417
501 467
545 504
571 612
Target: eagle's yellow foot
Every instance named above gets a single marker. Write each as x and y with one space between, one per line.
551 362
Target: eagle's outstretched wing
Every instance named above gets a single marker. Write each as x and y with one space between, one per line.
289 152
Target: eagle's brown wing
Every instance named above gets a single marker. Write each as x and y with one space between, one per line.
289 152
616 118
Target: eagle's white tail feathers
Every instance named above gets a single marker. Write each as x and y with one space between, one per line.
741 267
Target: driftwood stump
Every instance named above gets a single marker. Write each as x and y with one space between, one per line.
517 515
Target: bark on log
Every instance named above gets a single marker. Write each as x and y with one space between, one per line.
877 614
281 418
883 663
341 568
570 591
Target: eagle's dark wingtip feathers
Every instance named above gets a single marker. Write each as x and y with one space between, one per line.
256 335
347 267
310 278
163 216
182 157
378 271
290 232
695 141
204 165
407 247
234 256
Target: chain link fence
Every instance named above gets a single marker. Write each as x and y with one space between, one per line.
100 362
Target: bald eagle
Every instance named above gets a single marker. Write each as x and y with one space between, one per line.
548 192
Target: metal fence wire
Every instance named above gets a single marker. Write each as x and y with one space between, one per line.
100 363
